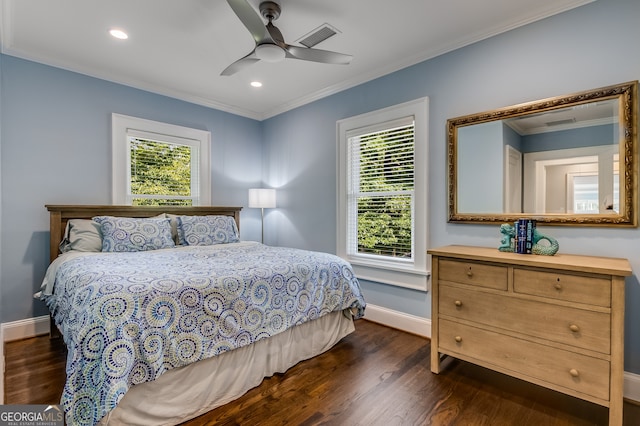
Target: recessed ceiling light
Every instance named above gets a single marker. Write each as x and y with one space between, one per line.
118 34
256 84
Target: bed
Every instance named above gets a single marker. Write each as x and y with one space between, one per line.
163 327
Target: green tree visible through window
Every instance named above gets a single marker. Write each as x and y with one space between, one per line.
385 192
160 173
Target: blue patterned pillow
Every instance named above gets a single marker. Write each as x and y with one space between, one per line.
207 230
133 234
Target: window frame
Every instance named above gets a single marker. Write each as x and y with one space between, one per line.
124 126
398 272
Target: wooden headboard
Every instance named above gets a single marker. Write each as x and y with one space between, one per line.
59 215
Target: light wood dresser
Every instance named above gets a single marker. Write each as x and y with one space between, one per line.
557 321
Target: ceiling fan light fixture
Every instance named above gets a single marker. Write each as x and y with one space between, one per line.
270 52
270 44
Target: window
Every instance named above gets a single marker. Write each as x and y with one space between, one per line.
584 193
159 164
382 194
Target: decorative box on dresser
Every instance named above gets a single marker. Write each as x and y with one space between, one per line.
557 321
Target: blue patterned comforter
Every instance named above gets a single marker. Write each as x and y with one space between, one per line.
129 317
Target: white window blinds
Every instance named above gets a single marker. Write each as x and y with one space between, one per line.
162 173
158 163
380 197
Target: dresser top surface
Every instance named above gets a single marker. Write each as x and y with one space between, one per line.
580 263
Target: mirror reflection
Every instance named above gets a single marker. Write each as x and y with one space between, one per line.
562 160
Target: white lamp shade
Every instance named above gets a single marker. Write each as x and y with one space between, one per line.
262 198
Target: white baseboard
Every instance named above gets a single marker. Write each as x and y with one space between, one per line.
395 319
32 327
632 386
23 329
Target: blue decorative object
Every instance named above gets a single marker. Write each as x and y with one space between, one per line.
547 250
508 241
524 235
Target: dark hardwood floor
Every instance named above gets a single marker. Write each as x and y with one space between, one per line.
375 376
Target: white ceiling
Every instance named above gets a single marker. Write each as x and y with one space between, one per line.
565 118
179 48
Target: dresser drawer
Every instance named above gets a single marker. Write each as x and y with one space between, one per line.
578 372
567 325
562 286
473 273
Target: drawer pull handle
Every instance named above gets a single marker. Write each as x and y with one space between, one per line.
458 339
574 372
458 303
558 286
469 273
574 328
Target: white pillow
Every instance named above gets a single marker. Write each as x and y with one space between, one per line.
81 235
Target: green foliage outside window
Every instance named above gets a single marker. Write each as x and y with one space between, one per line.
160 173
386 183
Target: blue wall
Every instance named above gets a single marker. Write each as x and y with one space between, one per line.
588 47
56 149
604 134
55 146
478 146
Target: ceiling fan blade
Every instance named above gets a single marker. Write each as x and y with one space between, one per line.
250 19
276 35
317 55
241 63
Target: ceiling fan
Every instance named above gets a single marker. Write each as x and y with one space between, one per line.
270 45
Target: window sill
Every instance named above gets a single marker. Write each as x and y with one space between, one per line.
392 275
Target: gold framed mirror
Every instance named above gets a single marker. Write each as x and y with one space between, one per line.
567 160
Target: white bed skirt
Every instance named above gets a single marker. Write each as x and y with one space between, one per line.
187 392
